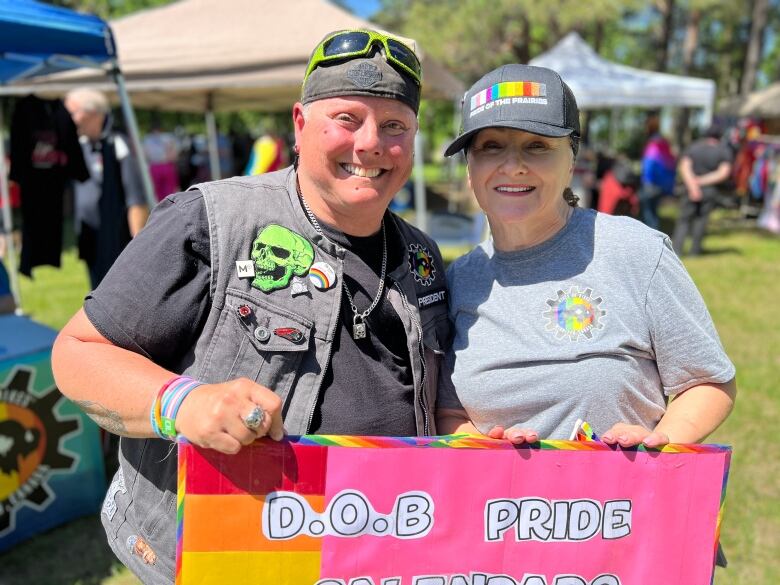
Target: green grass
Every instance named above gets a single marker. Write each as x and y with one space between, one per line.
735 279
740 270
53 295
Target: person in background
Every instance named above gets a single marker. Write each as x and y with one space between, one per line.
110 205
617 189
567 313
658 174
162 154
704 166
7 303
269 153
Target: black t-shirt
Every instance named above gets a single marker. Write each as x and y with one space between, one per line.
706 155
367 389
45 155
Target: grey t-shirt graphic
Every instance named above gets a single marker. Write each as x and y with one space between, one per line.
601 322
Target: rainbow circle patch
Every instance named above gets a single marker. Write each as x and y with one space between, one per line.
322 275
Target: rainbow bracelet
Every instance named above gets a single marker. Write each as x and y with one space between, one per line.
167 404
155 414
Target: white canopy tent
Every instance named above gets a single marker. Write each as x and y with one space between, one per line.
599 83
764 103
227 55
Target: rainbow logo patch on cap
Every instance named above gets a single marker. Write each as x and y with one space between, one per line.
533 91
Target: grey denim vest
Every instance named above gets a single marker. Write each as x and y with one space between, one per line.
142 498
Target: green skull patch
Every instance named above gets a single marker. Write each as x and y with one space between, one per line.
278 253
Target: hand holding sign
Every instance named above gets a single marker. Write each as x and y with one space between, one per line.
215 415
633 435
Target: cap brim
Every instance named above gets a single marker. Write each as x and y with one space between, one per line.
528 126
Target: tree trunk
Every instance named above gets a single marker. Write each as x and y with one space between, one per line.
682 133
691 41
598 35
554 33
521 47
755 45
666 8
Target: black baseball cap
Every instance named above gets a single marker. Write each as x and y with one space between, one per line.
361 76
523 97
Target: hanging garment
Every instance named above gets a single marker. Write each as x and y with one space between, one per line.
45 155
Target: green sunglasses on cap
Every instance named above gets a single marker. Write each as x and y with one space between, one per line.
357 43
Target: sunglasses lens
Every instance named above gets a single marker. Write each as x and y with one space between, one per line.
349 42
404 54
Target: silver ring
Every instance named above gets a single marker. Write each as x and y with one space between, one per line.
255 418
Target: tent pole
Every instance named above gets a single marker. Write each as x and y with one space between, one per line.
135 135
452 162
419 184
8 221
614 119
213 139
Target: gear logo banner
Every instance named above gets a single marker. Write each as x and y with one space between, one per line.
51 465
455 510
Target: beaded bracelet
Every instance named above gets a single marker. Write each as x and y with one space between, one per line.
166 406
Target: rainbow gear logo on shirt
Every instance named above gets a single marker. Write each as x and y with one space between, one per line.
421 264
577 314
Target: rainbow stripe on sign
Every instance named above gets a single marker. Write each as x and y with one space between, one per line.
508 89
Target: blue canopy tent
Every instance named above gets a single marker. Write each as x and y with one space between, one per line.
37 39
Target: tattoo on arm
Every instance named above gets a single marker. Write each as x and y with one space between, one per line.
108 419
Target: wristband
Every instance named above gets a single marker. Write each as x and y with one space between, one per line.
155 413
174 395
167 404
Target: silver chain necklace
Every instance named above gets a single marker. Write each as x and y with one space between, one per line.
358 319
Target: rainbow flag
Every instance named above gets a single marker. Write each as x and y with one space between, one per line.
583 432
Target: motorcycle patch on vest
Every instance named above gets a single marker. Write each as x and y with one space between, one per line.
577 314
421 264
279 253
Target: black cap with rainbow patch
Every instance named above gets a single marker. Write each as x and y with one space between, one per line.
523 97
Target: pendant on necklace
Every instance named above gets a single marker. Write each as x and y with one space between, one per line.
358 327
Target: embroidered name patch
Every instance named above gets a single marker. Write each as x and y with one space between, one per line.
436 297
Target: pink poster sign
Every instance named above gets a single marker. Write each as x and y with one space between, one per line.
449 511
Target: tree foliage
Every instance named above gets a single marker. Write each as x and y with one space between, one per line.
108 8
474 36
705 38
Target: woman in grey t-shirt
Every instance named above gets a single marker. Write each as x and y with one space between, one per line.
566 313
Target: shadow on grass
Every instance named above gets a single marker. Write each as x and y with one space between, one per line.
726 250
74 554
